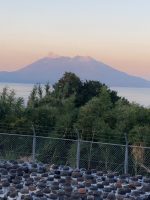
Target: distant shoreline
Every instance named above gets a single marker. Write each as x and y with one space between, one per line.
138 95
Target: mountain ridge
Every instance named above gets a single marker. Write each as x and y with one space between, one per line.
49 69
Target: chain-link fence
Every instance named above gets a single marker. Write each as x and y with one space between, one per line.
76 153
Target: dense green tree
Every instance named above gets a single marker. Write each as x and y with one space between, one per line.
33 98
88 90
68 85
95 114
11 108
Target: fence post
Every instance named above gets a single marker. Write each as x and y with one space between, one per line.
126 156
78 151
89 159
33 144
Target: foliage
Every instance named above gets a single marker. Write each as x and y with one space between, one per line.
89 107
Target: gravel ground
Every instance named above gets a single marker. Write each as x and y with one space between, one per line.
37 181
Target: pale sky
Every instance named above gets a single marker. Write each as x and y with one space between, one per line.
116 32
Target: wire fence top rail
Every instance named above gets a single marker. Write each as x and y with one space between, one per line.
73 140
37 136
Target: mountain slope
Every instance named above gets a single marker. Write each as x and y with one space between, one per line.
51 69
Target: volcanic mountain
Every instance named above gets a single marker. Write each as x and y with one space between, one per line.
50 69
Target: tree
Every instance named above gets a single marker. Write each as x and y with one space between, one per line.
33 98
89 89
95 113
11 107
68 85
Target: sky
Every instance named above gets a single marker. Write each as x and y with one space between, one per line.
116 32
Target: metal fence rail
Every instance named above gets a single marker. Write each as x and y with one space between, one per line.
76 153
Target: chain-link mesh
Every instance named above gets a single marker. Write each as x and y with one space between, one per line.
15 147
102 156
55 150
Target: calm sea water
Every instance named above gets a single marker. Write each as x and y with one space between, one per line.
138 95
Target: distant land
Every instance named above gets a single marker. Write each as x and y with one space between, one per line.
50 69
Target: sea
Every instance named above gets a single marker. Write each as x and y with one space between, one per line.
138 95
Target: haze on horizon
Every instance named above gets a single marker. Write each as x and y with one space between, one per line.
114 32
